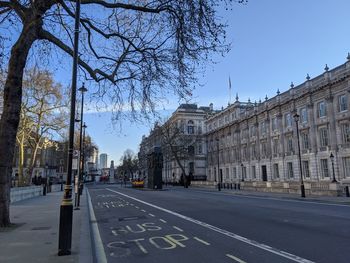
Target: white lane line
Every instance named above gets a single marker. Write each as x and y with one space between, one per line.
162 220
202 241
178 229
99 250
235 258
137 207
143 210
152 215
224 232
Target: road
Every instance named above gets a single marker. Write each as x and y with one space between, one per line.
198 225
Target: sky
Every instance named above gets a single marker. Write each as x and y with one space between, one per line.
274 42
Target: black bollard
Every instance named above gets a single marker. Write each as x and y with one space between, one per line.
239 186
347 191
44 189
219 186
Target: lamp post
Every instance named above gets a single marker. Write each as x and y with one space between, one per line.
66 208
242 172
302 187
332 160
82 89
83 157
219 177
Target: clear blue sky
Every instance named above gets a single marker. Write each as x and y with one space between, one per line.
274 42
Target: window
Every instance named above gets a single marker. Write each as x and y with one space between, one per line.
245 152
323 133
305 143
345 131
306 170
322 111
253 130
346 165
244 172
290 173
200 150
275 146
234 172
264 149
191 150
190 127
274 123
276 173
303 115
324 168
227 173
343 102
288 120
254 155
289 144
263 127
253 172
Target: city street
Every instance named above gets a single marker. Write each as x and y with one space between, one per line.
200 225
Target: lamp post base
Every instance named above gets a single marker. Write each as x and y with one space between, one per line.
65 230
302 189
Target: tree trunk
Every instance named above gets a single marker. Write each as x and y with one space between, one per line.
11 114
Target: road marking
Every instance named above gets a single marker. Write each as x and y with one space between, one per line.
224 232
202 241
143 210
137 207
152 215
178 229
235 258
99 250
162 220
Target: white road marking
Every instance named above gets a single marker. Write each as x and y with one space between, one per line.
99 250
178 229
235 258
137 207
224 232
152 215
162 220
202 241
143 210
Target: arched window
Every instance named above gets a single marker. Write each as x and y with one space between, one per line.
190 127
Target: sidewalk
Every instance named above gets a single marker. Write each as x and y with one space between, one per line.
34 238
285 196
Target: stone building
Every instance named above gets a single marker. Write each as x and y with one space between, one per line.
182 142
258 141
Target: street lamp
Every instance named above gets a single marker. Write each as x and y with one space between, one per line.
332 160
82 89
219 177
66 208
242 172
302 187
83 155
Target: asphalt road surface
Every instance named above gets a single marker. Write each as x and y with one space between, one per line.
180 225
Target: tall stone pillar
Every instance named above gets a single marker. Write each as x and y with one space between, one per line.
155 167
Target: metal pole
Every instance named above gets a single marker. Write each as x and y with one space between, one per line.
83 156
302 187
82 90
66 208
219 178
334 180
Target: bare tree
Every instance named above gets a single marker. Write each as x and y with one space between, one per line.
178 146
136 52
43 117
129 163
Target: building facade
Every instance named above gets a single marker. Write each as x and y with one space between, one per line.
258 141
182 142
